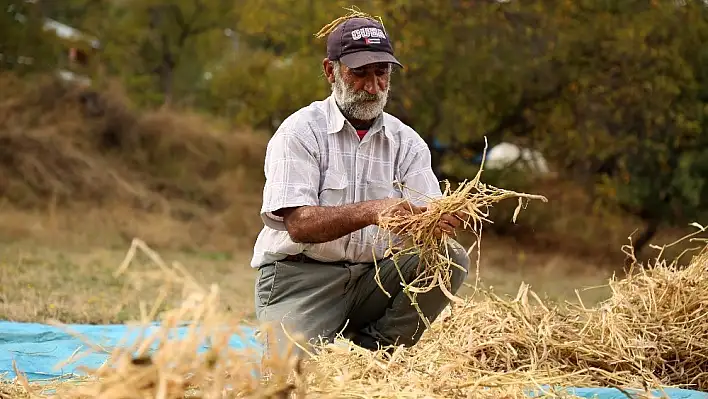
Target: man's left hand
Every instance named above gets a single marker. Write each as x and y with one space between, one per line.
449 223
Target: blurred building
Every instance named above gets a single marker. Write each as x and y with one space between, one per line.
78 51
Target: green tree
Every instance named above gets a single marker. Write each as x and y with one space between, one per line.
277 67
612 92
630 120
25 46
159 47
470 68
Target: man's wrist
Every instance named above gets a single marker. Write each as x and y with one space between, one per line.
369 212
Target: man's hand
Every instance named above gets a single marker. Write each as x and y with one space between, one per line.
396 207
392 207
449 223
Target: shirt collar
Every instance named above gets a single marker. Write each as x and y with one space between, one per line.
335 120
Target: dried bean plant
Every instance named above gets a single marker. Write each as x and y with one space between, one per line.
650 333
473 199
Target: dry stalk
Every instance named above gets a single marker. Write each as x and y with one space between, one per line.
472 199
354 12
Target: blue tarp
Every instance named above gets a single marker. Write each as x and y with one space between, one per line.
613 393
38 348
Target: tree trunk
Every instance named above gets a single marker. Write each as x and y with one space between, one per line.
645 237
166 81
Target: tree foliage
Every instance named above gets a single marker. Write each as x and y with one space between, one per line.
157 47
614 93
25 46
629 117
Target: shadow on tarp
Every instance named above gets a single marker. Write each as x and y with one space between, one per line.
38 348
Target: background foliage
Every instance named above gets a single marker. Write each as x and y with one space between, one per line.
614 94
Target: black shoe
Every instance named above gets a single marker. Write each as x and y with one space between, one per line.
368 342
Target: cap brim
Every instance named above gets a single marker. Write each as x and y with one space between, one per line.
361 58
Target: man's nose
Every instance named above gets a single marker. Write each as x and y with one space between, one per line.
370 85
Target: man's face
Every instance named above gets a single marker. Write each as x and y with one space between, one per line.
361 93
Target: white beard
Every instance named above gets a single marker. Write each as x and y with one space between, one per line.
357 105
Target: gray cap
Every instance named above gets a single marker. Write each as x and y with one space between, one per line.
360 41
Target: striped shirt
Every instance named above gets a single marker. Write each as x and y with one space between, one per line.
316 158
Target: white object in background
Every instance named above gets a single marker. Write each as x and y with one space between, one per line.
505 154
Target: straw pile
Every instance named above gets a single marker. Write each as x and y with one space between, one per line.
66 148
651 332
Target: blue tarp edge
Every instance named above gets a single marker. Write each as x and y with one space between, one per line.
38 348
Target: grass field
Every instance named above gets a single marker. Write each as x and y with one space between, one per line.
71 279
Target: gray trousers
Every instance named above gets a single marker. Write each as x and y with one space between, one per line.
317 300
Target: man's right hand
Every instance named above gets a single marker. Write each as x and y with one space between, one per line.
397 207
393 207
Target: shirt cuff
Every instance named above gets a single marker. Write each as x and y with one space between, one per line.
273 221
276 222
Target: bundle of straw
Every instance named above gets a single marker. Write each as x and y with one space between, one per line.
472 199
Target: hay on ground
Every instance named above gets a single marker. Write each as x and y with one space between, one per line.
650 333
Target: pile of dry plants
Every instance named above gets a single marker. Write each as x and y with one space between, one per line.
471 201
650 333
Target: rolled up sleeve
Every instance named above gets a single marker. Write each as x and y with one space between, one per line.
291 171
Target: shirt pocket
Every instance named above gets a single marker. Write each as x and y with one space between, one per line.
334 191
379 189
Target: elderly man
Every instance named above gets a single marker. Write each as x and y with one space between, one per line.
331 169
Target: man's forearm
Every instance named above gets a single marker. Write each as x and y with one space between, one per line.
318 224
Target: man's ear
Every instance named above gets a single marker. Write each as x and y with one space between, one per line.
328 70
